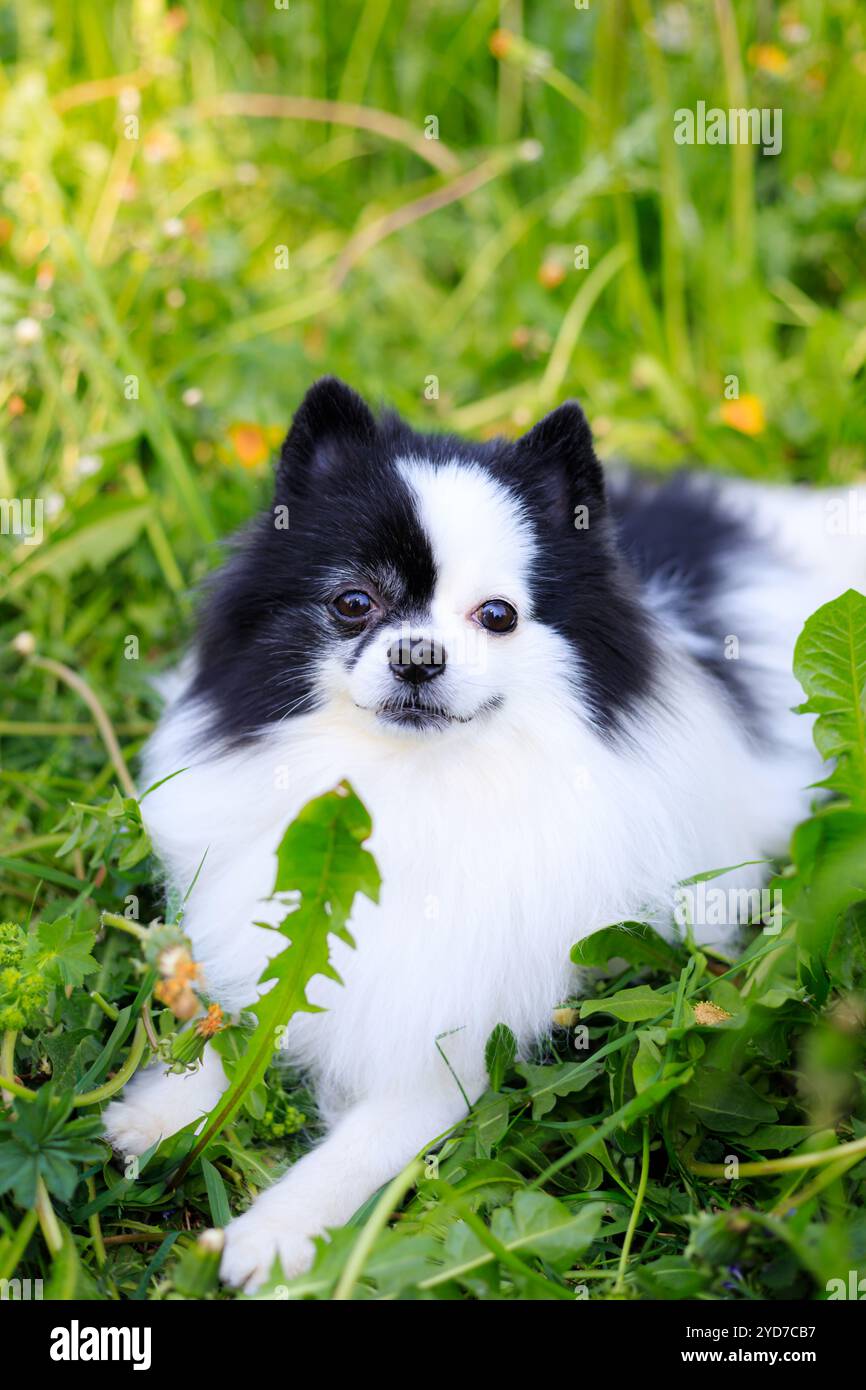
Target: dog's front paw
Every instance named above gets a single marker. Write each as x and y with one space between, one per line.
133 1126
253 1241
157 1104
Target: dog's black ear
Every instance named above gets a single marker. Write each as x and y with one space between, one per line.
330 418
555 467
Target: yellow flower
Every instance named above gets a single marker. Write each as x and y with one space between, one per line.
767 57
745 415
212 1022
252 443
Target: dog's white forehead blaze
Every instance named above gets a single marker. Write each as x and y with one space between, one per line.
482 542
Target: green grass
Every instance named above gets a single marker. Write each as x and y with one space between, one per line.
170 350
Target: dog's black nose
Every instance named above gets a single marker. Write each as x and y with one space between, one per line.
416 659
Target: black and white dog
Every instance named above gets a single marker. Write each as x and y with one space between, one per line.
556 703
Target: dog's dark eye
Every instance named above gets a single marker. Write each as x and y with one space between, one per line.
497 615
354 604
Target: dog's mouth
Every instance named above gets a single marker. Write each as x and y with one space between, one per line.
412 714
409 715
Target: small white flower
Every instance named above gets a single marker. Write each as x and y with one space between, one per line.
27 332
192 397
129 100
87 465
672 29
24 643
795 33
53 505
173 227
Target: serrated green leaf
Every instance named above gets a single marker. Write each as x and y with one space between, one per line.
830 664
320 857
534 1224
542 1226
61 951
547 1083
43 1142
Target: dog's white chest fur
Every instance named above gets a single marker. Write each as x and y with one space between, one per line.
498 849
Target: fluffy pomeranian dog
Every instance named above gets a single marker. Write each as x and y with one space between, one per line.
557 700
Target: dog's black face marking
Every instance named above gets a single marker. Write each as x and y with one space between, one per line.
680 535
581 588
353 524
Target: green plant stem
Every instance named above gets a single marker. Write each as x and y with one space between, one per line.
119 1080
788 1205
48 1222
156 531
574 320
387 1203
108 1009
95 1227
147 1021
510 78
673 259
302 108
791 1164
101 719
635 1212
114 919
742 153
7 1052
18 1244
16 1089
373 233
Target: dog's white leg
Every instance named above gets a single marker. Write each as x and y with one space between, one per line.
157 1103
367 1146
